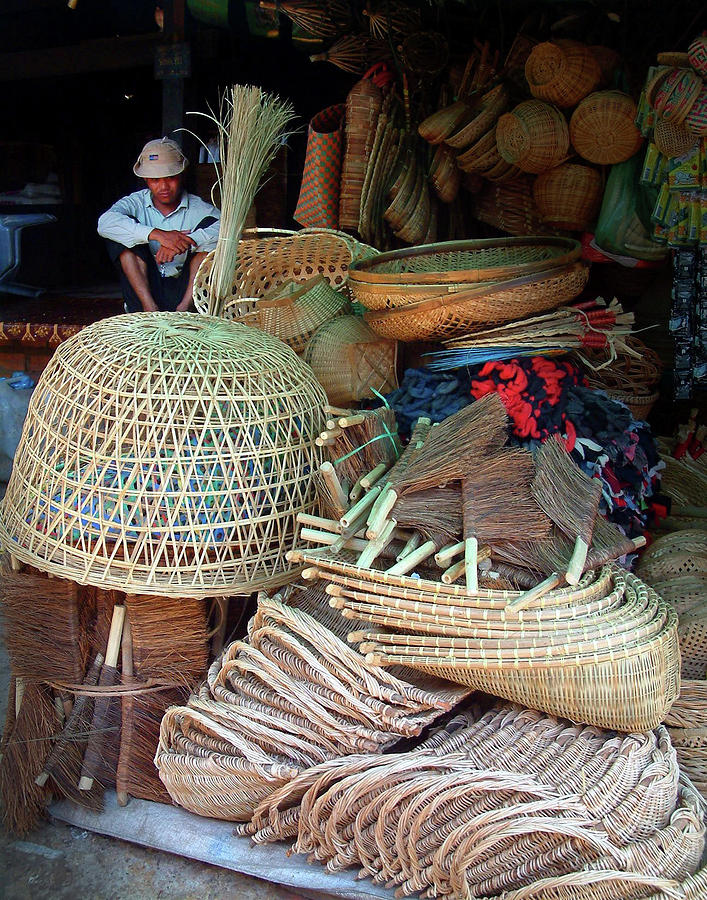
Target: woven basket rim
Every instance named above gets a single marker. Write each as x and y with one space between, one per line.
568 249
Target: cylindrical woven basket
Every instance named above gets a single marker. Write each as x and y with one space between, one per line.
168 454
534 136
562 72
273 260
363 106
603 129
294 311
568 196
351 361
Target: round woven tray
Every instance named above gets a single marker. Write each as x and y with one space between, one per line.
466 261
451 315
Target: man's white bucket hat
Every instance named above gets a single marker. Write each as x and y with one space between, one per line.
160 159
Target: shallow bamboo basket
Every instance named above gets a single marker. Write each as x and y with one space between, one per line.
351 361
492 104
452 314
603 130
684 481
673 555
168 454
272 260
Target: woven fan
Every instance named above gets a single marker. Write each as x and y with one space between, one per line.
320 18
353 53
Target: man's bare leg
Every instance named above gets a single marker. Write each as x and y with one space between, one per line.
187 300
135 270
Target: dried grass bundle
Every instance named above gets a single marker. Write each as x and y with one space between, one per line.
251 126
25 751
169 637
41 612
570 498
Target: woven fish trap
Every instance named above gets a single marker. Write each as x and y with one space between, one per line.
485 116
690 708
562 72
350 360
603 130
533 136
450 315
294 311
166 454
268 262
568 196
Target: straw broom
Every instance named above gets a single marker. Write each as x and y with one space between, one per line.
570 498
498 505
320 18
251 126
353 53
435 512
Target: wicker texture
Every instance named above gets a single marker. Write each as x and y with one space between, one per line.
268 262
363 106
513 804
510 207
534 136
562 72
568 196
484 117
452 314
603 130
294 311
350 361
165 453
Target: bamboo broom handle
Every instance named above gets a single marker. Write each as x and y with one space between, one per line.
332 481
112 652
348 421
356 490
336 411
318 522
412 543
331 432
376 522
576 563
361 506
448 553
374 475
544 587
471 561
408 563
20 686
450 575
377 545
126 653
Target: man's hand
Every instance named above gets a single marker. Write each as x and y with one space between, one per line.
174 242
149 305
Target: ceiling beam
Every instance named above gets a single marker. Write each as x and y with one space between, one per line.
101 55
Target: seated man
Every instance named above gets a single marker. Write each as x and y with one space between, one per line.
157 237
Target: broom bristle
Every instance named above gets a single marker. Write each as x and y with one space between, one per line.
435 512
43 612
361 447
169 637
498 504
568 496
25 752
455 445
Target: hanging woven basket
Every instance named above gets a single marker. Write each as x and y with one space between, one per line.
167 454
533 136
351 361
562 72
603 130
568 196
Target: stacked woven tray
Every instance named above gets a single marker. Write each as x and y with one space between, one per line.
444 289
605 652
514 804
292 696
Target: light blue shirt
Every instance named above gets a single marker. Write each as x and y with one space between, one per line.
131 219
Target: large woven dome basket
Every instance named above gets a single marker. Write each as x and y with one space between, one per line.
165 453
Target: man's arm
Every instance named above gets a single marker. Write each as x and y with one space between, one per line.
205 234
121 223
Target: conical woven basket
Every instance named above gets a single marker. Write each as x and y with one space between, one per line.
168 454
534 136
562 72
603 130
568 196
351 361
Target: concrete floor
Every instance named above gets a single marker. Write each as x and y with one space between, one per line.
67 863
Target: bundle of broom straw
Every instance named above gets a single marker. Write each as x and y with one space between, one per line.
251 126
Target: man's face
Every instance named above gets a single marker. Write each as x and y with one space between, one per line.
166 191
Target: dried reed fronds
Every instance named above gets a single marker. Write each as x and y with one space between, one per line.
320 18
394 19
25 751
251 126
353 53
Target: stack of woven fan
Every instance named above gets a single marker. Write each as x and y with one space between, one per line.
513 805
292 696
458 505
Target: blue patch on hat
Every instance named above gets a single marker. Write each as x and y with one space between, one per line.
154 156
